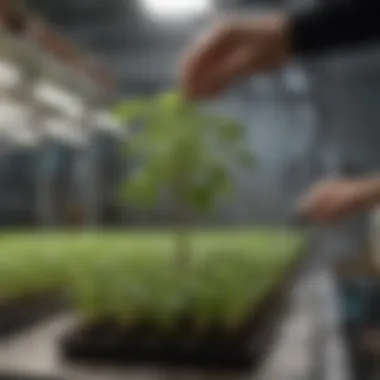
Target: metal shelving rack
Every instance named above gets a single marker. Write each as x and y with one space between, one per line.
309 347
45 58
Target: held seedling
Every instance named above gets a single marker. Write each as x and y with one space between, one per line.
185 153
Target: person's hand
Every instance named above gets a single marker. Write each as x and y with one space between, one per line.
334 200
238 46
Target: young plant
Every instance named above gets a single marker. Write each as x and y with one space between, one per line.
127 281
185 153
128 278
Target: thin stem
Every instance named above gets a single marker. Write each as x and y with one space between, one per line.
181 218
183 250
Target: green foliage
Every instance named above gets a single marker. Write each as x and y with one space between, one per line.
182 150
131 111
134 280
129 277
27 268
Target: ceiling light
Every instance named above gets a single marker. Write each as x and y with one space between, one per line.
58 98
104 121
23 136
175 9
13 113
63 131
10 75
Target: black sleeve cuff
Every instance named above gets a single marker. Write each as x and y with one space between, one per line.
338 26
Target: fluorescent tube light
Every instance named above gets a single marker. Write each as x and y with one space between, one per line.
104 121
57 97
10 75
174 9
63 131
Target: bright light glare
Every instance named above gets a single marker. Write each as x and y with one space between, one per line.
12 114
64 131
14 124
10 76
57 97
175 9
106 122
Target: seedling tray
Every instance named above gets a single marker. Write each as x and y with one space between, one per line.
19 314
214 349
20 376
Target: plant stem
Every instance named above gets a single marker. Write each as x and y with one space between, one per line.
182 236
181 218
183 248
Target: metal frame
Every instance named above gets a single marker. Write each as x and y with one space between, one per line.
37 65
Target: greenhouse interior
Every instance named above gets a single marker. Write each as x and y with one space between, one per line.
150 234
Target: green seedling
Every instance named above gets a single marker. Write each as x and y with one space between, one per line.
185 153
129 277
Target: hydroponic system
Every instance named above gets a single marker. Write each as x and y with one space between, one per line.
178 297
182 297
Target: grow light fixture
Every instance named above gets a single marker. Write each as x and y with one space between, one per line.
15 124
13 114
63 131
56 97
175 9
23 137
106 122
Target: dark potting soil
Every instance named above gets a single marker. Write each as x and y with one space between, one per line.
184 346
130 347
23 376
215 349
21 313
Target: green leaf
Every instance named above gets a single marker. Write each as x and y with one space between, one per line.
142 188
132 110
171 101
202 197
181 149
230 131
213 183
246 159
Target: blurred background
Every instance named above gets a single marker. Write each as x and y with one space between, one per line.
65 64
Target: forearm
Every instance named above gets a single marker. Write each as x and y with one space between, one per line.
335 26
368 192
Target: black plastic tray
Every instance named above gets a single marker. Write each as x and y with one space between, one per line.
109 345
21 376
